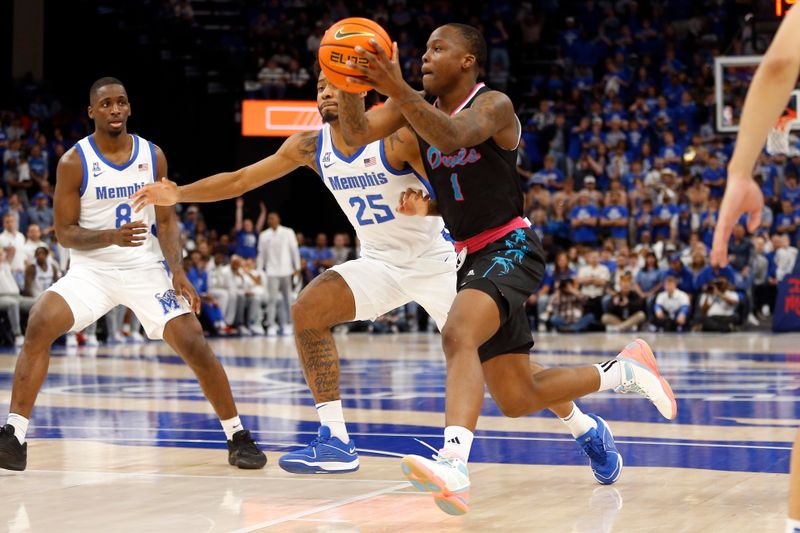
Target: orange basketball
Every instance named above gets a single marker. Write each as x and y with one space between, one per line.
337 47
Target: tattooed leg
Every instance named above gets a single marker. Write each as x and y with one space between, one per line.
326 301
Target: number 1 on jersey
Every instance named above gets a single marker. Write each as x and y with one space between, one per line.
123 214
456 187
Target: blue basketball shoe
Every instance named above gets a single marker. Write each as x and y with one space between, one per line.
598 445
325 455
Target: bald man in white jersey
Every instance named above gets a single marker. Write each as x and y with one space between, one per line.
117 259
766 99
403 259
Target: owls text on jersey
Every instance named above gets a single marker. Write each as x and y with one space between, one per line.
105 204
368 189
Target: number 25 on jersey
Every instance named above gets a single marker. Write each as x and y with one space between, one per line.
378 211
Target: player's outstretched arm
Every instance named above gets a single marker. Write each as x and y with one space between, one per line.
170 242
67 207
491 115
359 128
766 98
298 150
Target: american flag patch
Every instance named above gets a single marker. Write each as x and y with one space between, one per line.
370 161
143 167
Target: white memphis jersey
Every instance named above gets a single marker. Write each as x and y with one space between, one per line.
43 278
106 204
368 190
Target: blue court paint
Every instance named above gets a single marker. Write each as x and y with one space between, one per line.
708 394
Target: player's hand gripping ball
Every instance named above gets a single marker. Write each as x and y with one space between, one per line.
338 47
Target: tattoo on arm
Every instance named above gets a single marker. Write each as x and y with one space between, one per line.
307 149
320 363
395 140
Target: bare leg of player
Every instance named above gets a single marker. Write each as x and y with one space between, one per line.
50 318
326 302
474 318
793 523
185 335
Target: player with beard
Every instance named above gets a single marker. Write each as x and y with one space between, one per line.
116 259
403 259
469 135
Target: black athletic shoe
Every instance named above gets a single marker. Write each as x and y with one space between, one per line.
243 452
13 455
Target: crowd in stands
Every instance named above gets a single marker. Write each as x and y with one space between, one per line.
622 170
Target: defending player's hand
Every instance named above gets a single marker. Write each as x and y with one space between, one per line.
130 234
183 287
742 195
383 73
164 192
413 202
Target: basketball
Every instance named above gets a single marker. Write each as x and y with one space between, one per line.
338 46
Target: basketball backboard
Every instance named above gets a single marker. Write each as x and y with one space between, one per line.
732 78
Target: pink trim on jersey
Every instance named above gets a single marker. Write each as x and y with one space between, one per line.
469 97
479 241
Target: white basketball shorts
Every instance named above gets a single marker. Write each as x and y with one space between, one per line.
379 286
93 292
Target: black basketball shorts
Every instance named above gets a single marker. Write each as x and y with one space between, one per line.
509 270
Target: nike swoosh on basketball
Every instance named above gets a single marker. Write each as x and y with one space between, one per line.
339 35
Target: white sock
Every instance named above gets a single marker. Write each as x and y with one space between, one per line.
578 422
331 415
20 424
231 426
792 526
610 375
459 440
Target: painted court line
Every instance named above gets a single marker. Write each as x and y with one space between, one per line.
201 476
403 435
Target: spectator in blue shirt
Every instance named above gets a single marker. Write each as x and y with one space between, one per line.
558 227
320 257
708 220
714 177
37 165
584 221
767 172
681 273
785 220
711 273
648 279
550 176
663 221
791 191
41 213
684 224
740 249
615 218
246 234
644 219
198 276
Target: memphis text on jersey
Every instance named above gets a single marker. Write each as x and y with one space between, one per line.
362 181
110 193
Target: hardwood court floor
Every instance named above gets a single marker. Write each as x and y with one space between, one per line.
122 440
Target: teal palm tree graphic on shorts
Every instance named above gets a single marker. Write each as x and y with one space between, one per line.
506 264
